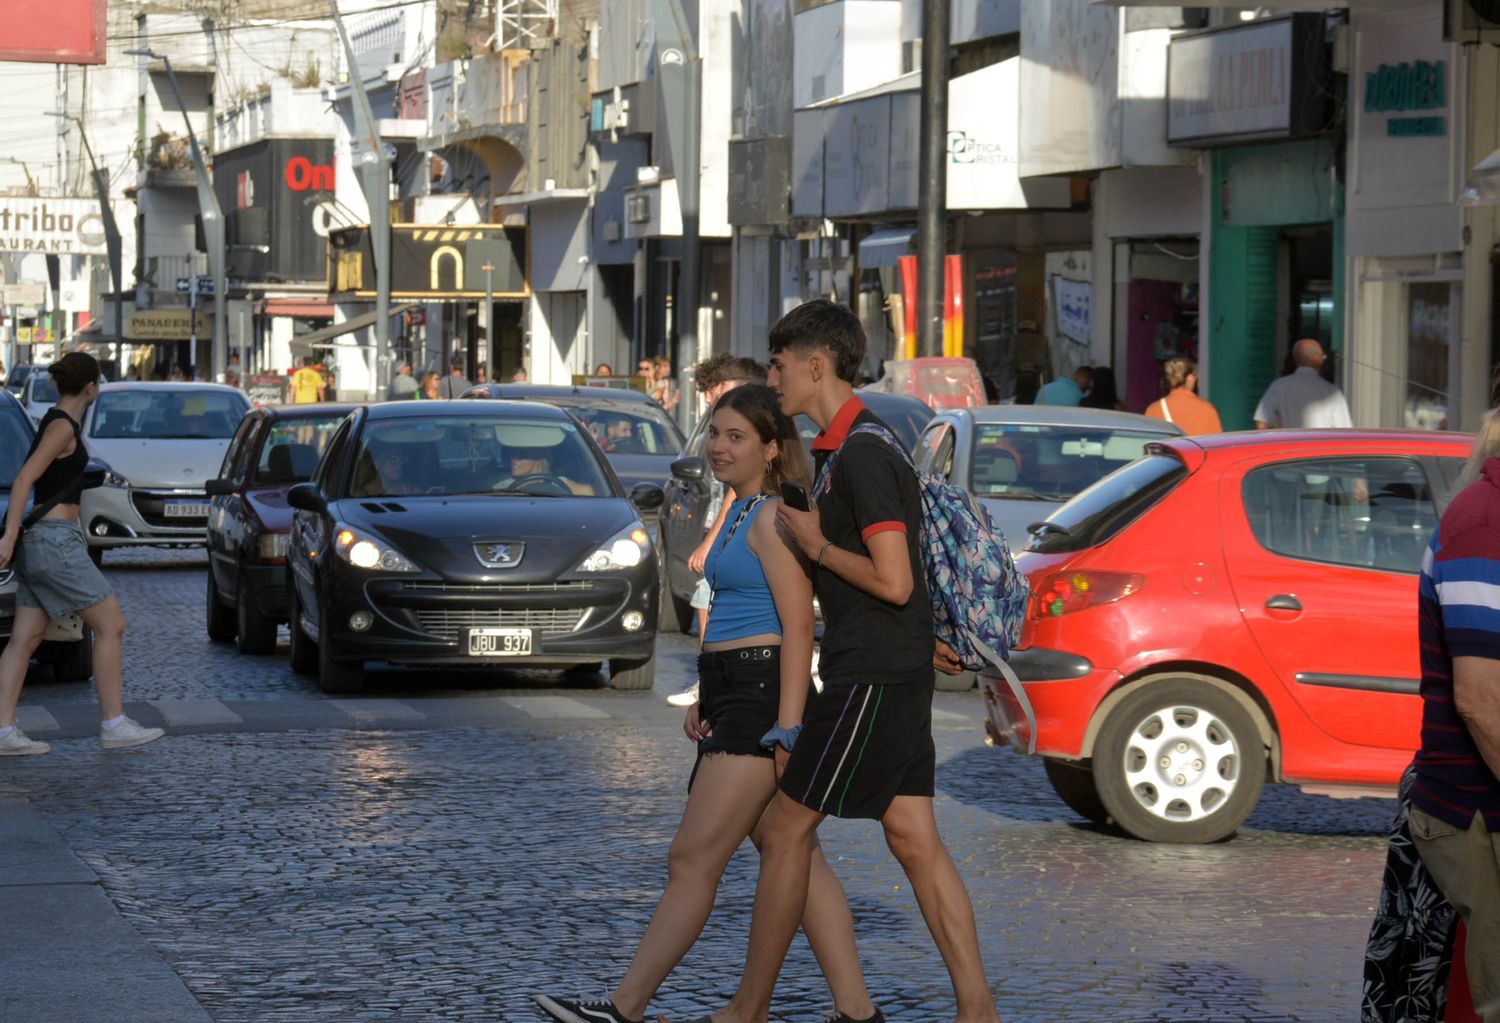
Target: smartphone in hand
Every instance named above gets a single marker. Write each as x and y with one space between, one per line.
795 496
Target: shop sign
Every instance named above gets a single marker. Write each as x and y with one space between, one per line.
1261 80
434 262
1409 87
267 389
72 226
984 144
167 325
23 294
1073 301
856 154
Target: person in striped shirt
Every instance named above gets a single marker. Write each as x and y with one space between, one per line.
1455 816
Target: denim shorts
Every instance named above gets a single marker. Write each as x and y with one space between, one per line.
53 570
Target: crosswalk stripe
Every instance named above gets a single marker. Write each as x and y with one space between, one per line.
196 713
36 719
371 711
554 707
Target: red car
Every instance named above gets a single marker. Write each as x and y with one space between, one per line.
1224 611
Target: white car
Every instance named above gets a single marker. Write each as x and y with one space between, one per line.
38 394
160 443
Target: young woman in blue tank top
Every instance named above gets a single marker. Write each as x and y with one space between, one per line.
755 673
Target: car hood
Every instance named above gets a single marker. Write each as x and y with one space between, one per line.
439 533
1014 516
636 469
161 463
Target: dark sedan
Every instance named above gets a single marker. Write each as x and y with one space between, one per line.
470 533
683 517
274 449
638 436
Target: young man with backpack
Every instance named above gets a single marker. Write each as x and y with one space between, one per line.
865 747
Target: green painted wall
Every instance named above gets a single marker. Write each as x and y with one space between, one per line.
1258 190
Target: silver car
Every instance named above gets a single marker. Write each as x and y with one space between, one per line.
1024 461
160 443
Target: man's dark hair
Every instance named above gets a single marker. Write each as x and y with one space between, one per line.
823 324
307 360
456 364
724 367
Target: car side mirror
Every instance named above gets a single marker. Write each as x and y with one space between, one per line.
219 488
690 468
647 496
305 497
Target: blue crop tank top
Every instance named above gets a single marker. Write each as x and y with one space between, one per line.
742 603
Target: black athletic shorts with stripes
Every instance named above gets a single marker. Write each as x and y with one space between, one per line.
862 746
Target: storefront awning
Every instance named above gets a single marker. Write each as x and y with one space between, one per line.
885 247
320 338
307 308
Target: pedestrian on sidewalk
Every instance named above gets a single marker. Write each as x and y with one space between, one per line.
455 384
54 576
403 385
1303 400
1182 406
756 674
1455 800
866 747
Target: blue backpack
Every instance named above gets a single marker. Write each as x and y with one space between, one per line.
978 598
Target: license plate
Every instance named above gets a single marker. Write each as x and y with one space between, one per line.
499 642
189 509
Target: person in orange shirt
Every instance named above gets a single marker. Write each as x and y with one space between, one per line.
1182 404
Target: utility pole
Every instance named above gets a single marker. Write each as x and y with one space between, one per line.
932 195
489 316
375 174
111 240
213 226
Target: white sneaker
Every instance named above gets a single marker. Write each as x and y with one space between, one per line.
686 698
127 734
15 744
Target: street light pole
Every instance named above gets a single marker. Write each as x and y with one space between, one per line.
375 174
213 223
932 192
111 240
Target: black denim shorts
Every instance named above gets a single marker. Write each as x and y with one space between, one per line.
739 693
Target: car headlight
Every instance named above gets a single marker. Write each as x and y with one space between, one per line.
626 549
368 553
113 479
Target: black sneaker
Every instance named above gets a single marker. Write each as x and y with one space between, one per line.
844 1017
567 1011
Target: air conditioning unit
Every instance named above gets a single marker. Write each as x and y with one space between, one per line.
1471 21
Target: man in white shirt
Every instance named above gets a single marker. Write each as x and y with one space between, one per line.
1303 399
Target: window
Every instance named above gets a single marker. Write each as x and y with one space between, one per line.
935 451
1099 513
1021 462
1362 512
15 440
237 457
168 414
292 448
636 428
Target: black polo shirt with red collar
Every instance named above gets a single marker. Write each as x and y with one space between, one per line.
872 490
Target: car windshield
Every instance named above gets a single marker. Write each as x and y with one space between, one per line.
293 446
167 414
17 378
43 389
452 455
1103 510
15 440
1015 461
634 428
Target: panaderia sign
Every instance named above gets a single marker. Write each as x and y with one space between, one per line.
72 226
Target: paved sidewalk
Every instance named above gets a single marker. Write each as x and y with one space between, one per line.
68 955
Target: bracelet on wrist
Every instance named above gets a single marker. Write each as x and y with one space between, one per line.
822 551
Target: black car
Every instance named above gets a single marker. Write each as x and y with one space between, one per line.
468 533
70 660
275 448
639 438
16 378
683 516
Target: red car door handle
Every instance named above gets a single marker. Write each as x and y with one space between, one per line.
1284 602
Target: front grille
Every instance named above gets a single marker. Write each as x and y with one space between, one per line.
580 586
545 620
151 506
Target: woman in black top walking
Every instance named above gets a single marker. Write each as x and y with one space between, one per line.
54 575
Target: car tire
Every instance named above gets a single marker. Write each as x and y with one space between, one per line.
221 623
960 683
77 664
335 676
1074 785
96 555
1179 761
626 674
256 632
302 652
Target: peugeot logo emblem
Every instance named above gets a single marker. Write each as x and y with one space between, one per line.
499 553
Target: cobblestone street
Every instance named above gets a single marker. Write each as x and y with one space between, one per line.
440 850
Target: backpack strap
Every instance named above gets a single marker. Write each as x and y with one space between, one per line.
825 478
739 519
67 495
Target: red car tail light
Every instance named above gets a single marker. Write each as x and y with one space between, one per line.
1067 592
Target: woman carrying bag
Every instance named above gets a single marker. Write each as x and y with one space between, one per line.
54 575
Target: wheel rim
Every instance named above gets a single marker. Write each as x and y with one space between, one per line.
1182 763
